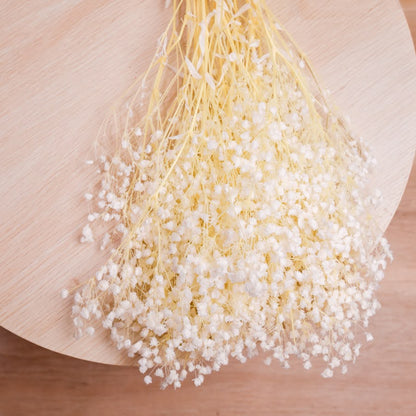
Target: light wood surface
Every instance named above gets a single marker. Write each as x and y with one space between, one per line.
67 63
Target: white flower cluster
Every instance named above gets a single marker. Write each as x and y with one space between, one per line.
239 230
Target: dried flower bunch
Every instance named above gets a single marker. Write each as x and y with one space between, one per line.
238 201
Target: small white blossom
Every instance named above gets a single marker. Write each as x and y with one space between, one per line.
87 235
64 293
148 380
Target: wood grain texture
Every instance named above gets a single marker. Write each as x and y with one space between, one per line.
43 179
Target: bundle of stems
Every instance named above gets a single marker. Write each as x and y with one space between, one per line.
242 220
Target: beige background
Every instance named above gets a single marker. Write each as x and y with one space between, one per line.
37 381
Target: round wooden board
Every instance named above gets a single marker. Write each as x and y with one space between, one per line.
64 64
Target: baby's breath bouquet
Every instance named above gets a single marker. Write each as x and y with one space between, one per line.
238 202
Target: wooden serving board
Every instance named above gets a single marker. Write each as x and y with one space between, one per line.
63 64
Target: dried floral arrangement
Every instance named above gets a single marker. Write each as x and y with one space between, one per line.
238 202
